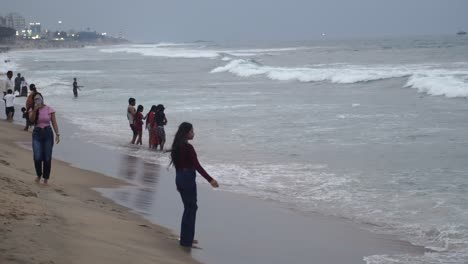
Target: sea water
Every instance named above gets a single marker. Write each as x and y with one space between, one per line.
375 131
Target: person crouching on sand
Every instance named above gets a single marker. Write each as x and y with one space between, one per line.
42 115
184 158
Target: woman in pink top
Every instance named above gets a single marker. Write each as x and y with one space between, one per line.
42 116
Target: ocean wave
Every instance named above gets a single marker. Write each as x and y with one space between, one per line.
450 82
167 52
450 86
185 50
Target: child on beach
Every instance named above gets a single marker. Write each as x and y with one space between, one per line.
138 123
25 116
9 99
184 158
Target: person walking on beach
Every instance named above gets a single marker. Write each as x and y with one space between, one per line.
131 111
76 87
184 158
18 82
9 99
138 123
42 115
161 121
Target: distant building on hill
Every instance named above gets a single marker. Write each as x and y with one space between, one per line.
2 21
15 21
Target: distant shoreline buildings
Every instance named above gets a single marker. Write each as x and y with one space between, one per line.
14 29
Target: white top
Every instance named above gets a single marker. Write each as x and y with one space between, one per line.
9 100
24 83
130 115
8 84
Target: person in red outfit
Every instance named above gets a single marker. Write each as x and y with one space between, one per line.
150 125
184 158
138 123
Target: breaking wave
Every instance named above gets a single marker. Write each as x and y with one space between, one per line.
431 79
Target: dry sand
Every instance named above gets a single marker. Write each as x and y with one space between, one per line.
68 222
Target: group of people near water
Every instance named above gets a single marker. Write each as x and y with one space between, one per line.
182 153
183 157
37 114
154 121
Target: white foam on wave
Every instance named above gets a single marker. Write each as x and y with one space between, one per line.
168 52
6 63
450 82
313 187
449 85
190 51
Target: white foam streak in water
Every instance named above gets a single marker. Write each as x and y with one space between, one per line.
190 51
426 78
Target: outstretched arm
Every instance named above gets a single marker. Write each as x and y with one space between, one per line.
199 168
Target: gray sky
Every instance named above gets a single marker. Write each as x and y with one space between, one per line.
247 20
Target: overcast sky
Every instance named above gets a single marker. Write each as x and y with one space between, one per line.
247 20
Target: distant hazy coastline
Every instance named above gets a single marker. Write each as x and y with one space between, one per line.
56 44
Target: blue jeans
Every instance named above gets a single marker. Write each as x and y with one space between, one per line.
42 143
185 182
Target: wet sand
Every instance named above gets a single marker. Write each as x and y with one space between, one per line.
68 222
231 228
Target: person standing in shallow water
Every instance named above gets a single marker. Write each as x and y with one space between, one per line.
138 123
18 82
76 87
42 115
150 125
161 121
184 158
131 112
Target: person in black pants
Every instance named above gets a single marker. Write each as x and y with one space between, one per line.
185 161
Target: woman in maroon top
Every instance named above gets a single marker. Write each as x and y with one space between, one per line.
138 123
185 161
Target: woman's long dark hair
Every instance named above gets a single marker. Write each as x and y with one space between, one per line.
180 139
32 107
153 109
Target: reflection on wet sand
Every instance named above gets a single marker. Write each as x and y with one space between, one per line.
144 176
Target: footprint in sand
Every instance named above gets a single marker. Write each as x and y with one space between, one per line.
62 192
4 162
